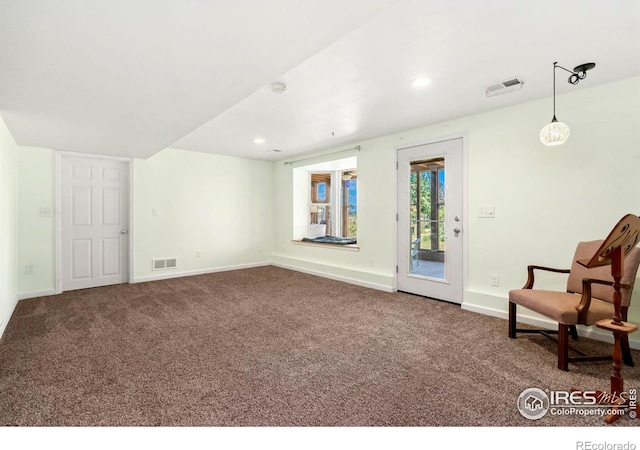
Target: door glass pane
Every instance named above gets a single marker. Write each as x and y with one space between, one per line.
427 218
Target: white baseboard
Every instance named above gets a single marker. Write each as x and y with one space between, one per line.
26 295
332 276
168 275
8 314
485 310
591 332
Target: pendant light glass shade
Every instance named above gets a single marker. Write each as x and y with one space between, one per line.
555 133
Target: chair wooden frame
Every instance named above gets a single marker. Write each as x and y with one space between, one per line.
599 287
564 331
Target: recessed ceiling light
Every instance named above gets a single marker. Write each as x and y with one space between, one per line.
421 82
259 140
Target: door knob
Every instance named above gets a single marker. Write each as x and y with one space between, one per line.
456 230
123 231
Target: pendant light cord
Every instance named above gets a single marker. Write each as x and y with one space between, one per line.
554 91
573 79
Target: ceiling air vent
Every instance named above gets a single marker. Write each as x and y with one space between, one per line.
508 85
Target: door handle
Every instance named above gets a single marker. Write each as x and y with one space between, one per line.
123 231
456 230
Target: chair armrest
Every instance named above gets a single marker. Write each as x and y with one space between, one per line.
587 282
530 276
585 300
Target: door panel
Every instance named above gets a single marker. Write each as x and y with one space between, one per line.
81 259
81 205
110 256
430 207
94 222
111 206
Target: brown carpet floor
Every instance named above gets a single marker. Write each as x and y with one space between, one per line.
273 347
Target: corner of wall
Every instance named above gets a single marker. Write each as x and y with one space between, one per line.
4 321
8 225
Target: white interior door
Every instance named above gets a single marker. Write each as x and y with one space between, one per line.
430 221
94 222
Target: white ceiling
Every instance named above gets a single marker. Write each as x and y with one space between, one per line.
131 77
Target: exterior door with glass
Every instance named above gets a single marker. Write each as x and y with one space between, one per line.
430 225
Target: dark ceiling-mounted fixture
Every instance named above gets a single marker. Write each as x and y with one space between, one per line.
555 132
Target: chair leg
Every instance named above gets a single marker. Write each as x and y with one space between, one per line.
626 351
563 347
512 320
574 332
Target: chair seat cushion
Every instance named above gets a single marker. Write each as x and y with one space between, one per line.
560 306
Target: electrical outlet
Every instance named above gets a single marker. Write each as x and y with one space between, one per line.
198 254
29 269
495 279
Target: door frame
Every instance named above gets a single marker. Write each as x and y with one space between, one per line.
465 202
58 210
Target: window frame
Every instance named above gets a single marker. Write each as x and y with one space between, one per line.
335 202
344 202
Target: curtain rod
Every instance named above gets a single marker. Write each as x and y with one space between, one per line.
357 147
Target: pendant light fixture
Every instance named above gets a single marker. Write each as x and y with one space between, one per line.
556 132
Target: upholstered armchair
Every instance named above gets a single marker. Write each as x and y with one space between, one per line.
588 299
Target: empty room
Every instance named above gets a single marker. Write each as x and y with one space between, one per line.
389 214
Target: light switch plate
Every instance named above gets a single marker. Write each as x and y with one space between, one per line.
487 212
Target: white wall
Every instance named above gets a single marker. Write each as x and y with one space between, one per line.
8 225
372 264
546 198
36 238
217 205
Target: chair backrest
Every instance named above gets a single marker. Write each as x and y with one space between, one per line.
586 250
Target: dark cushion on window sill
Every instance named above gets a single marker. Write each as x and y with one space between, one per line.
331 240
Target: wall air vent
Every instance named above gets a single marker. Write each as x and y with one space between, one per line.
508 85
164 263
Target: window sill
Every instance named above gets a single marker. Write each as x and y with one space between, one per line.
348 247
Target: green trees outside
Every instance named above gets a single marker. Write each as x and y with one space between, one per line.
430 204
